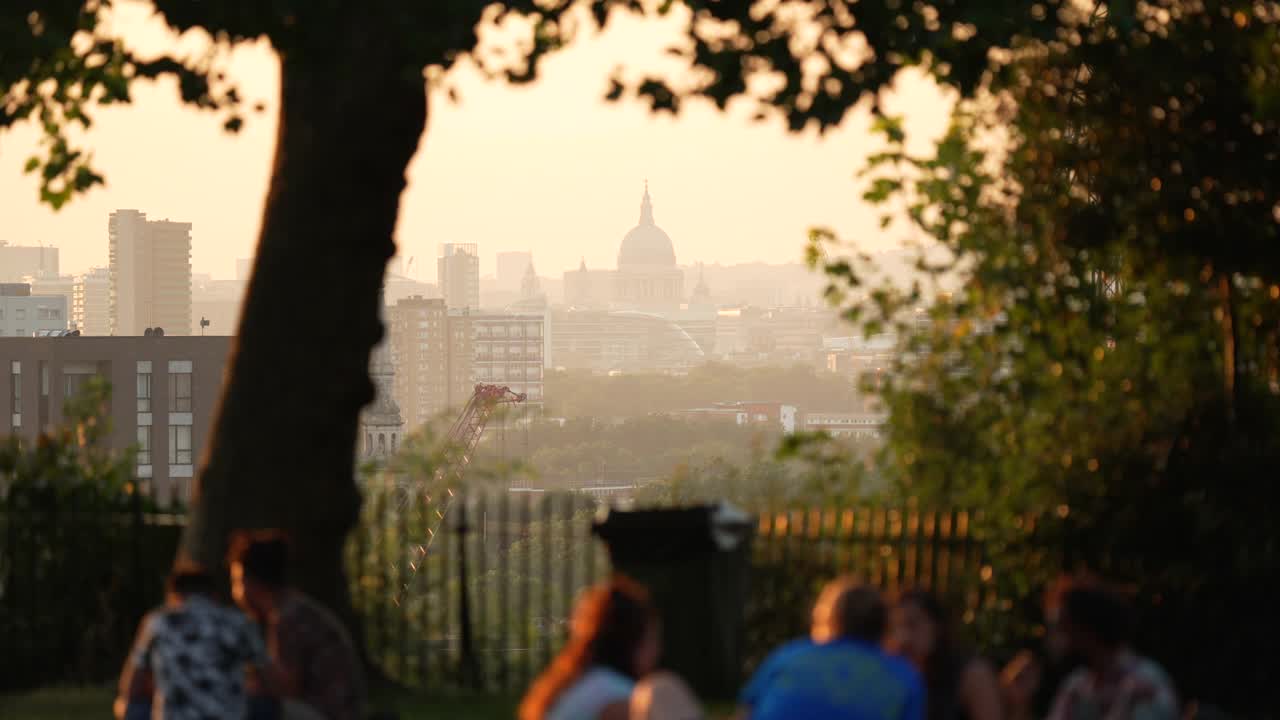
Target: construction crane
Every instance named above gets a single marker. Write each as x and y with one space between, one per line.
467 429
460 445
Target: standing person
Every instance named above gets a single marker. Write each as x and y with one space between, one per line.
319 674
841 671
1114 682
959 686
614 640
189 659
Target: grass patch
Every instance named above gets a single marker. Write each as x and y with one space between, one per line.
59 703
72 703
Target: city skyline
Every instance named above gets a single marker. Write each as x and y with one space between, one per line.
728 190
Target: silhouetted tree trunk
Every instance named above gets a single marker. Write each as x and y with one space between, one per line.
282 450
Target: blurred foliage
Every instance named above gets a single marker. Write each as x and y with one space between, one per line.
1107 204
73 462
79 561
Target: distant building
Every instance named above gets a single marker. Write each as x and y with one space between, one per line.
647 277
847 424
509 349
21 261
512 266
588 289
781 415
398 287
458 275
755 336
25 315
63 286
622 341
431 352
165 392
91 302
217 301
150 274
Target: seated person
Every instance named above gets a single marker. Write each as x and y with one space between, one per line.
841 671
190 656
614 640
1114 683
318 673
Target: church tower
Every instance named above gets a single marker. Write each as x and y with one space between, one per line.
381 426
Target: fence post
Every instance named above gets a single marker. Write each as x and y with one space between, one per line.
504 577
468 670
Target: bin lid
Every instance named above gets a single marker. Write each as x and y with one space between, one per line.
654 534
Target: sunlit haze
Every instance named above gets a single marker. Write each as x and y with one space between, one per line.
551 168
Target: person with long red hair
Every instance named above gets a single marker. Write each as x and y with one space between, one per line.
614 641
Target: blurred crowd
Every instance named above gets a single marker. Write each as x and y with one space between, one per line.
277 654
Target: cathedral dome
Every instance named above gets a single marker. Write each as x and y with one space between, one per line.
646 244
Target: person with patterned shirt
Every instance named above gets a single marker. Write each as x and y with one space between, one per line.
190 657
318 674
1114 682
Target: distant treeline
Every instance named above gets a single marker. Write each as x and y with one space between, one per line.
576 393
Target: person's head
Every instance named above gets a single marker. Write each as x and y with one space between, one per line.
614 625
259 562
1092 620
919 627
186 581
847 608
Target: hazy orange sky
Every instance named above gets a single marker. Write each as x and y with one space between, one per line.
550 168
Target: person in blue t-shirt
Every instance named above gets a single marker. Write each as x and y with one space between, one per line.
840 672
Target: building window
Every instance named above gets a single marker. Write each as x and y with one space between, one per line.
21 314
72 384
15 387
179 444
144 444
180 392
144 392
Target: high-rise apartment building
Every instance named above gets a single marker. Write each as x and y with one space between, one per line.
431 351
91 302
20 261
511 269
510 349
150 274
458 274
